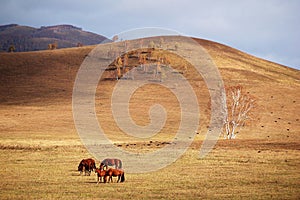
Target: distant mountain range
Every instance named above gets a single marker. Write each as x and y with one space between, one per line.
25 38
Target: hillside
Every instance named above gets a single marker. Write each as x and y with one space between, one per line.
47 77
41 147
25 38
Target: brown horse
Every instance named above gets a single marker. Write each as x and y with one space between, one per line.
100 174
114 172
87 165
112 162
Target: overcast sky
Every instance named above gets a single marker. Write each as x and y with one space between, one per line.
269 29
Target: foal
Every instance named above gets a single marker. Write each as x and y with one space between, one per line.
101 173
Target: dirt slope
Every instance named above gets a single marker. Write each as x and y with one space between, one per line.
46 78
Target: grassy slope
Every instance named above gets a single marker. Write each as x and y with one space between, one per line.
36 126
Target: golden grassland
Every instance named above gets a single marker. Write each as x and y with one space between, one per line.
259 170
40 148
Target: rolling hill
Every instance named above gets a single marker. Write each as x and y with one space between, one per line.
25 38
47 77
40 144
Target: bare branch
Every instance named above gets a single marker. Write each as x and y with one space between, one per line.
239 106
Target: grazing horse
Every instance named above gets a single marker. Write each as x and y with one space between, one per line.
87 165
102 166
100 174
114 172
112 162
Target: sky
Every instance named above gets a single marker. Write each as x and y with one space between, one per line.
269 29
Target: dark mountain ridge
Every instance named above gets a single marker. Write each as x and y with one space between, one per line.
26 38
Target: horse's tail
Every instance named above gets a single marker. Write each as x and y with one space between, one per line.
120 164
123 177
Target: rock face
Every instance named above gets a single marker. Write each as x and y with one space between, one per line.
25 38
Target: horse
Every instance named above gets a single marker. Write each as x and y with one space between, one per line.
100 174
112 162
102 166
87 165
114 172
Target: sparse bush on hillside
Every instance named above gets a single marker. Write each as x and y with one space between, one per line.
239 105
52 46
176 46
11 48
79 44
115 38
151 44
125 45
161 42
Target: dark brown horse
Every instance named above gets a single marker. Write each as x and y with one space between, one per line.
87 165
114 172
112 162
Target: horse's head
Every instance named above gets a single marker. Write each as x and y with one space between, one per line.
94 166
79 167
101 166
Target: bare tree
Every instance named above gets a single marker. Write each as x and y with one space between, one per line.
118 64
151 45
176 46
79 44
143 61
115 38
11 48
161 42
52 46
239 106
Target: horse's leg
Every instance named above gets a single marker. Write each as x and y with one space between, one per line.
89 169
83 169
116 163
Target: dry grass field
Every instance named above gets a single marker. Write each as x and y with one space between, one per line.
40 148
